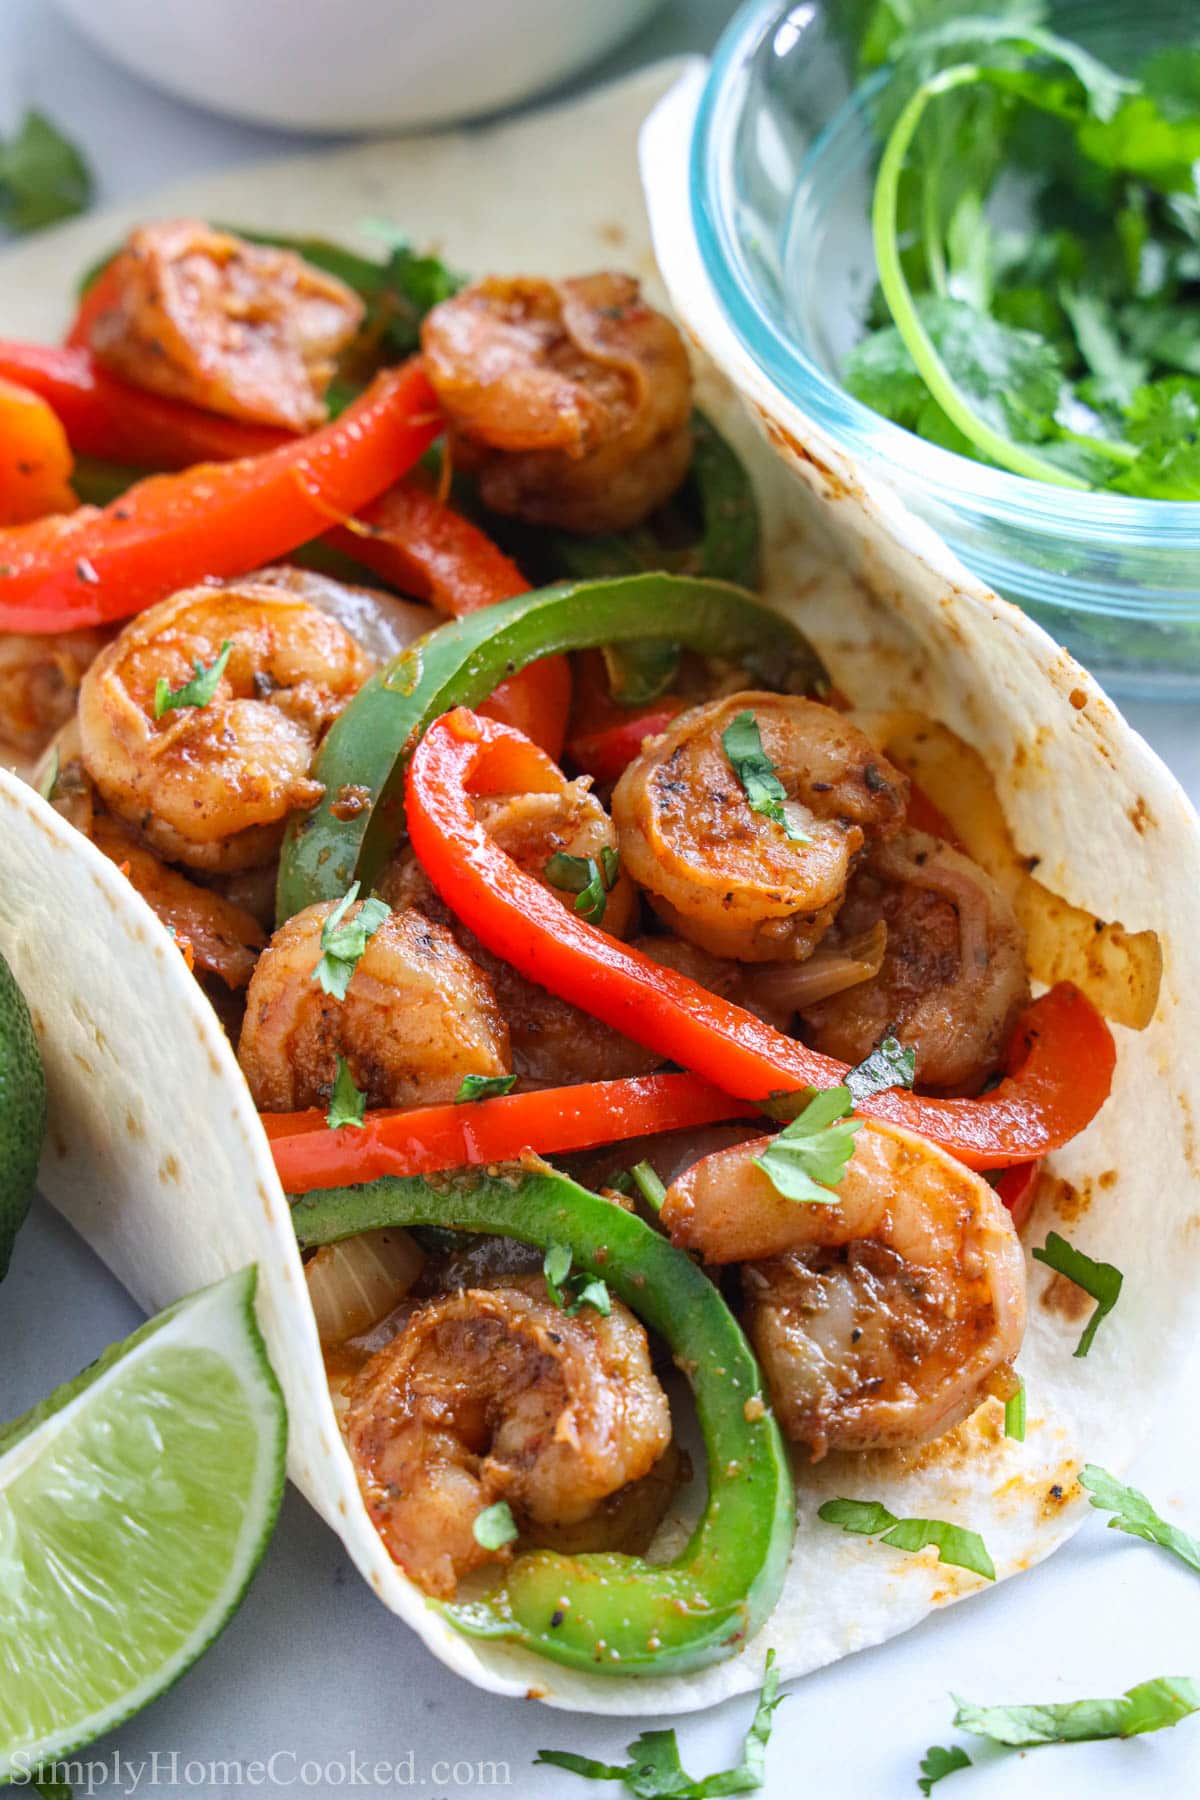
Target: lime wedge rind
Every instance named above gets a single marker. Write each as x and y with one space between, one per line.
135 1505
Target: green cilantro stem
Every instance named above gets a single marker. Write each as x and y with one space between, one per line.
898 294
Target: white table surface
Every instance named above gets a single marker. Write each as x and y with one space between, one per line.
313 1668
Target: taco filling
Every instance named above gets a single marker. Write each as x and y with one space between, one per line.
620 999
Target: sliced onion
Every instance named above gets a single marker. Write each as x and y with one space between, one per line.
354 1283
381 623
790 987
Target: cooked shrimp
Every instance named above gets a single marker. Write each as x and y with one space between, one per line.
418 1016
571 398
243 329
212 786
553 1042
39 684
222 938
731 880
953 977
879 1321
496 1394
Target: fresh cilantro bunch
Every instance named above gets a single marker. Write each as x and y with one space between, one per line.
1067 350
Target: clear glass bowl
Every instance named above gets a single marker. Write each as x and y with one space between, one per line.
782 164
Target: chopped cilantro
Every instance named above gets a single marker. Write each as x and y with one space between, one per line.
342 944
938 1763
890 1065
495 1526
484 1087
807 1159
573 1292
590 879
1132 1512
1099 1279
765 793
347 1103
1151 1706
1014 1414
43 177
199 691
655 1772
954 1543
649 1185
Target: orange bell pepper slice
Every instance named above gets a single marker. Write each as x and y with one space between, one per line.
1060 1063
218 519
426 1139
425 548
35 458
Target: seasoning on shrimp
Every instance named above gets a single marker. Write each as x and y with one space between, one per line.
881 1320
571 399
730 879
213 786
497 1394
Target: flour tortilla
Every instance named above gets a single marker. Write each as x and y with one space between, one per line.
155 1152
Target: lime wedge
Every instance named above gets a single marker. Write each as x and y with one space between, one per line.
135 1504
22 1110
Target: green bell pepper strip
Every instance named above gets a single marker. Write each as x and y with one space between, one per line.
605 1612
364 755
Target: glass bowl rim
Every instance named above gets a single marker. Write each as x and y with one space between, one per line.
957 480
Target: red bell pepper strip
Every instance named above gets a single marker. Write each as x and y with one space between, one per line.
106 417
607 753
1061 1062
219 519
97 297
1017 1188
426 1139
422 546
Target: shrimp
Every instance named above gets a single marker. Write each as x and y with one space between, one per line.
553 1042
731 880
242 329
496 1394
572 399
213 786
223 939
880 1321
219 936
39 684
417 1016
953 977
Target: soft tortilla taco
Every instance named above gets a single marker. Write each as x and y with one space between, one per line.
765 940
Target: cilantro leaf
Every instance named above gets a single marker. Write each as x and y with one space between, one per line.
1014 1414
591 880
1132 1512
654 1771
199 691
495 1526
891 1064
342 944
649 1185
1116 372
347 1103
484 1087
937 1763
1151 1706
571 1293
765 793
954 1543
1099 1279
43 177
807 1159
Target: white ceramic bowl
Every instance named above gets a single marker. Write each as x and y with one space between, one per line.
355 65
